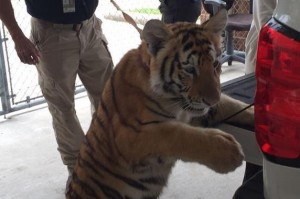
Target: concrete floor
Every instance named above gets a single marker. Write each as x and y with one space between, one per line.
31 166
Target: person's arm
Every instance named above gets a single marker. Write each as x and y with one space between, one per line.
8 18
26 50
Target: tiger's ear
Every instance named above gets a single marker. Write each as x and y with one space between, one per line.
155 33
217 23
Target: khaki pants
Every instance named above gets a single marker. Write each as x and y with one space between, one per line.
66 51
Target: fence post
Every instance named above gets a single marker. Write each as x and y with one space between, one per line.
4 92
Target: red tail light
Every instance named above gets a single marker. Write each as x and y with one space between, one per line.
277 100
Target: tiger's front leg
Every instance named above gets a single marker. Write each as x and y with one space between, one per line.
229 106
211 147
228 110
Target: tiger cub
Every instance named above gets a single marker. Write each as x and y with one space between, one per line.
140 128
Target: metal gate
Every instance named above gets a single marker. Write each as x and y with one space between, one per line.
19 87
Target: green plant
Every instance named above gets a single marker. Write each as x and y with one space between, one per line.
153 11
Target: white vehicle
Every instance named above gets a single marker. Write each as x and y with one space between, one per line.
277 105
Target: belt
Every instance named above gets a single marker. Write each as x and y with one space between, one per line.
75 27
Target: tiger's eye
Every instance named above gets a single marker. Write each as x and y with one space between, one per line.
190 70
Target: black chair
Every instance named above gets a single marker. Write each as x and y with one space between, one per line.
236 22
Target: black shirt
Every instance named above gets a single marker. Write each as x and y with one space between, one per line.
53 11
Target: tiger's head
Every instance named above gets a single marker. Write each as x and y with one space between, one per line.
183 61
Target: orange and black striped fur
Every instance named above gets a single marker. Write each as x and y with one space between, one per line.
141 128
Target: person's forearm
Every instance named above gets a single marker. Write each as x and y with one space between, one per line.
8 18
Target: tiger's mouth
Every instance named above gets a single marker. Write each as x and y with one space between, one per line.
195 108
191 107
196 111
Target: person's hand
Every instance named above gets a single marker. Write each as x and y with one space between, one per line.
26 50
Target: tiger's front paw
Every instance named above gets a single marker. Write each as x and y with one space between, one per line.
225 153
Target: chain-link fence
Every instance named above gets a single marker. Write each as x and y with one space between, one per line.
18 82
240 6
239 37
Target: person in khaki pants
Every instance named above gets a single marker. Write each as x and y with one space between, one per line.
66 40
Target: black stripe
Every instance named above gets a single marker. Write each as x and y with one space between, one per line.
91 166
188 46
180 77
100 144
85 187
128 181
200 42
168 87
74 195
185 38
159 113
149 122
171 72
114 99
176 58
163 68
172 68
104 107
189 57
99 121
153 180
113 92
192 31
179 86
108 191
185 89
156 104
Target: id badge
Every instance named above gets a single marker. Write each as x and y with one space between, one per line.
68 6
